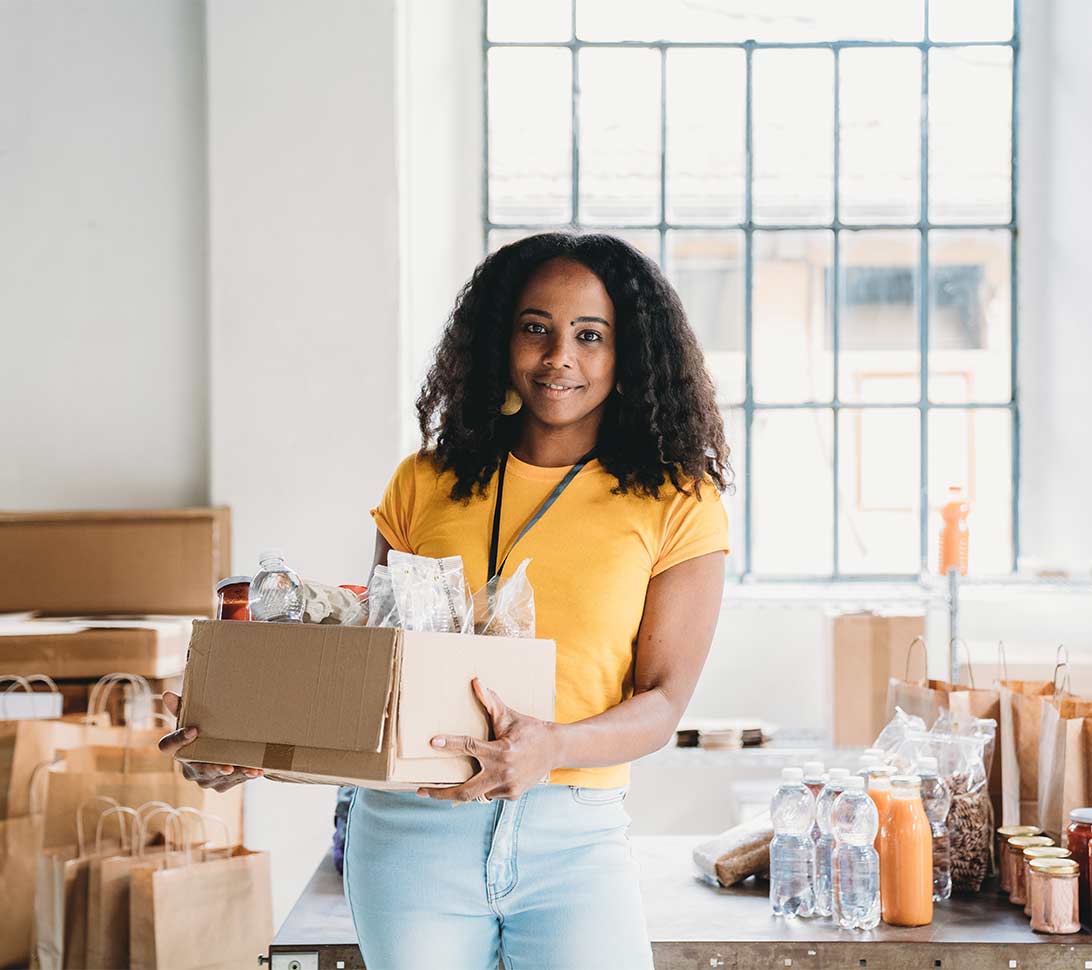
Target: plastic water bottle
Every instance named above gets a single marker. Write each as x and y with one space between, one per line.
276 593
814 782
824 845
792 851
937 799
865 763
856 864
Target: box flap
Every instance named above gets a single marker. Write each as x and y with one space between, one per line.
435 692
139 561
290 685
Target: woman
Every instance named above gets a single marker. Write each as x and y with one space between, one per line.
567 372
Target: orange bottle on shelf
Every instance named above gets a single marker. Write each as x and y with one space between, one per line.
906 857
955 536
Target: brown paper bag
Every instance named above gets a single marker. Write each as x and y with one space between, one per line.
20 846
210 914
1065 751
67 790
1021 707
923 698
60 907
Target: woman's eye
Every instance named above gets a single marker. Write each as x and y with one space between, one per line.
590 336
534 328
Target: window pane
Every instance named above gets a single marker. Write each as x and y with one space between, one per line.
646 240
793 484
706 268
970 135
970 19
973 449
705 154
734 425
878 325
530 135
880 122
539 21
970 316
793 104
879 472
502 237
791 315
619 136
733 21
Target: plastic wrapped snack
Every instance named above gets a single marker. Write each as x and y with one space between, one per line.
382 610
430 594
505 606
890 739
736 854
331 604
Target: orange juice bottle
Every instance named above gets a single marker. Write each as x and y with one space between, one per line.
906 857
879 788
955 536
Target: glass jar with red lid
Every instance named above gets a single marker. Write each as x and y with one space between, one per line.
1077 835
233 598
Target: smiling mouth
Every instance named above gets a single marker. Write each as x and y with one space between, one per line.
556 391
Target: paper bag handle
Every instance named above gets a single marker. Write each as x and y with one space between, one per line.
173 819
204 818
100 693
80 837
1061 666
1002 663
953 646
910 652
126 833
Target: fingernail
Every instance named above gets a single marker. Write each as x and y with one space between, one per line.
422 794
191 733
438 742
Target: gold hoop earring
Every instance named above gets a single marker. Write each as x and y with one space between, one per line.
512 402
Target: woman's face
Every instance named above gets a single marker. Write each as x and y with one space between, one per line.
562 352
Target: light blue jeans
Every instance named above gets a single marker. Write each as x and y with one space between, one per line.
546 881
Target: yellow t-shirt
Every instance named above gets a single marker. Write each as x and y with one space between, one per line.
593 554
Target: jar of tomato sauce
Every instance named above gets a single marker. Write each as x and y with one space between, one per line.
233 598
1077 835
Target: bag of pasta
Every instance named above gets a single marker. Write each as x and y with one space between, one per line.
961 762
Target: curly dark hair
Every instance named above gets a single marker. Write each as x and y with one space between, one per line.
666 425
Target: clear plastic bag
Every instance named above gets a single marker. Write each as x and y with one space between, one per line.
961 762
505 606
332 604
430 595
382 609
895 732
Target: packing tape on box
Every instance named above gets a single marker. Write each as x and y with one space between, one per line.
278 757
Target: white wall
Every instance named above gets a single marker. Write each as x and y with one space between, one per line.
304 248
103 376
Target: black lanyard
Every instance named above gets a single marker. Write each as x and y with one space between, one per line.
494 543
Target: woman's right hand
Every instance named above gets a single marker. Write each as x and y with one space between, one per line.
216 777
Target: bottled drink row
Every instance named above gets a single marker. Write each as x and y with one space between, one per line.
860 847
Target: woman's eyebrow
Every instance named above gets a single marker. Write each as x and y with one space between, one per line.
548 316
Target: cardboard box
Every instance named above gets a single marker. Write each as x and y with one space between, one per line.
351 705
155 561
153 647
121 703
867 651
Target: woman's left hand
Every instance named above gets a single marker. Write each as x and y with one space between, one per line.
521 756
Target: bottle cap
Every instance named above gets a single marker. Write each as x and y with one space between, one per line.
838 774
1027 841
813 769
1055 867
270 554
881 771
792 774
231 581
1081 815
905 781
866 760
854 783
927 766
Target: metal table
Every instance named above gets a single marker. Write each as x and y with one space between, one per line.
693 925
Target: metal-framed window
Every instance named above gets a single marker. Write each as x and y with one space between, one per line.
929 274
